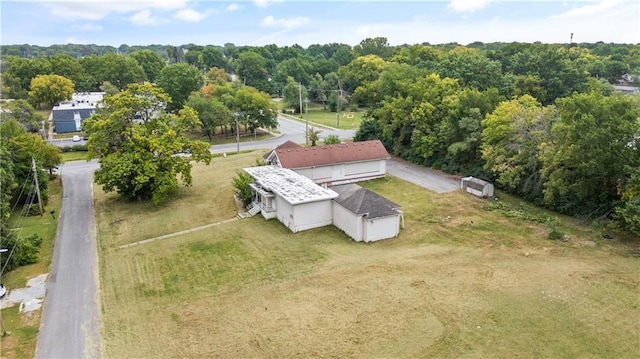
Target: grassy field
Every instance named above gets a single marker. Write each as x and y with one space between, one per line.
24 327
459 281
348 120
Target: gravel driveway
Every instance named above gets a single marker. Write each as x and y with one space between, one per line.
428 178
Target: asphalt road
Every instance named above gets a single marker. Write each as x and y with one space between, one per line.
289 130
71 318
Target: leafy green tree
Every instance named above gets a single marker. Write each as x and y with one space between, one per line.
242 189
292 93
211 111
119 70
251 68
217 76
50 89
378 46
23 113
69 67
179 80
151 63
108 88
513 138
255 108
471 68
24 70
214 57
593 150
143 161
360 71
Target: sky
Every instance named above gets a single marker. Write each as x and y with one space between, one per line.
289 22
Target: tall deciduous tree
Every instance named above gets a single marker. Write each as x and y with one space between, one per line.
50 89
211 111
514 136
179 80
591 153
151 63
143 161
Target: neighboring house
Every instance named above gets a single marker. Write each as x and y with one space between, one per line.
365 215
333 164
69 115
477 187
626 89
301 204
295 200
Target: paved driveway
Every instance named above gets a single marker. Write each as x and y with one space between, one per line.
71 317
429 178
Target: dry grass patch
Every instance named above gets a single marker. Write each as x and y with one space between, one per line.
459 281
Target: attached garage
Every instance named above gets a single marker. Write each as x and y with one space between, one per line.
364 215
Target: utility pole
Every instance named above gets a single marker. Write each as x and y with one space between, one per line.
237 134
338 99
306 122
300 95
35 178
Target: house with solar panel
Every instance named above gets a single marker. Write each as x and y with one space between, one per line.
318 189
69 115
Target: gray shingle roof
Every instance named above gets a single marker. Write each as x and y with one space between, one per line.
361 201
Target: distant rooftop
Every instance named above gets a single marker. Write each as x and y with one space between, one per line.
294 188
81 100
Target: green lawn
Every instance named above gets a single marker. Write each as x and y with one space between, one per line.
459 281
317 116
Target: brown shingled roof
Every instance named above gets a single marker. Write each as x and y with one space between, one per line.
284 145
331 154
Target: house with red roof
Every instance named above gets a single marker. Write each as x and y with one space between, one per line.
333 164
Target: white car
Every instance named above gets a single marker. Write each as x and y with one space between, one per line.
3 290
76 138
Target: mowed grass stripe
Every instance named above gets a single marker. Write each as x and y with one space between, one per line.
459 281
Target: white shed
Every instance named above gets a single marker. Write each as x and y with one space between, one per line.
294 199
477 187
364 215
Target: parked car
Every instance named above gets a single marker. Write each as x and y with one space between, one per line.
3 290
76 138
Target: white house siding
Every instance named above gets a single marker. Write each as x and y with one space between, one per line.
284 212
381 228
311 215
345 172
348 222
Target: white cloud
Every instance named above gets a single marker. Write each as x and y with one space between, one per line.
599 7
265 3
88 27
144 17
232 7
98 9
467 6
189 15
287 23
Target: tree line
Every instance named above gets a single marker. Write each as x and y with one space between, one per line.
542 120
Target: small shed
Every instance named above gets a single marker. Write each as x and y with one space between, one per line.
364 215
477 187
